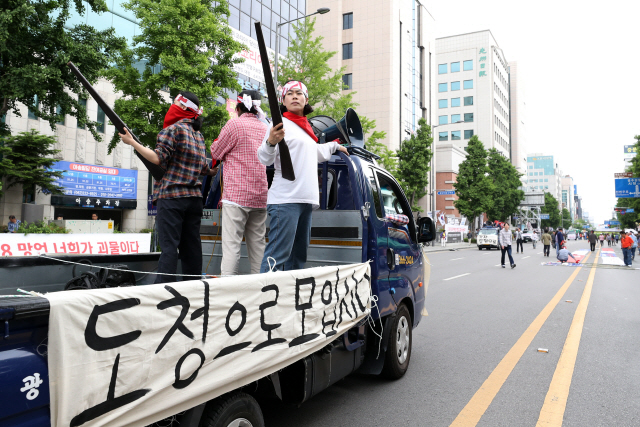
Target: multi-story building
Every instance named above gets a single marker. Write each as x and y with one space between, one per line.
388 50
79 151
544 175
568 193
473 99
518 118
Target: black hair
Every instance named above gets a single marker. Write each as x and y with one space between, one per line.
308 109
255 96
197 123
12 216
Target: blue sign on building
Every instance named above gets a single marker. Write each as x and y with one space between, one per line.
627 187
102 182
544 216
612 223
446 193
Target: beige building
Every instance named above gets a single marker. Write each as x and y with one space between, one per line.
388 49
518 119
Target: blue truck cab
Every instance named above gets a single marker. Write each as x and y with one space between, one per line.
354 224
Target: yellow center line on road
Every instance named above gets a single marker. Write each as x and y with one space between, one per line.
479 403
555 403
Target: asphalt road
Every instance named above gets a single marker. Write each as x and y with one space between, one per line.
475 358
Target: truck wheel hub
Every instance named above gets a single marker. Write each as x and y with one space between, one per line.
240 422
402 340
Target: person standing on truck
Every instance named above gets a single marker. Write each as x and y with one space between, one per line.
546 242
592 240
180 150
290 203
244 193
504 240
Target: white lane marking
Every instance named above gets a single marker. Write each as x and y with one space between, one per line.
539 253
456 259
455 277
525 257
487 253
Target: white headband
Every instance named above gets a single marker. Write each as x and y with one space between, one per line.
248 102
294 84
189 104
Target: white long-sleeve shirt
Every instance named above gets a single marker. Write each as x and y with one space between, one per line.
305 156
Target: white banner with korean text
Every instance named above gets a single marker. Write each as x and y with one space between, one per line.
135 355
16 244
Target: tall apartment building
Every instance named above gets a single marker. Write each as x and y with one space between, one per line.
78 148
388 49
473 99
518 118
544 175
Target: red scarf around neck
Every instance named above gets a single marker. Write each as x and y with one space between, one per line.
176 113
302 122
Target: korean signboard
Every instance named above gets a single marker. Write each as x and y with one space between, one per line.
483 62
627 187
630 151
92 181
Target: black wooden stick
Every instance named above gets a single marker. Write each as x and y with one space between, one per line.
276 117
156 171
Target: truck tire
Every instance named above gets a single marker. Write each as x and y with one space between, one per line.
233 410
399 347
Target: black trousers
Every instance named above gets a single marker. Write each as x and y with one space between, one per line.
593 246
178 223
519 247
546 249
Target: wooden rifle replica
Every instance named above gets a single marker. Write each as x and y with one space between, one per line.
276 117
156 171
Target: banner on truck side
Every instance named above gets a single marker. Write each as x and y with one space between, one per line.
135 355
15 244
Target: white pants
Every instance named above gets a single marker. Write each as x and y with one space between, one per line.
236 222
443 242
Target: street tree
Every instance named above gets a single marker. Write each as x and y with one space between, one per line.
474 186
550 207
185 45
566 219
414 158
506 179
35 47
26 159
631 219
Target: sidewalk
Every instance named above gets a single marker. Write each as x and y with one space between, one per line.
435 247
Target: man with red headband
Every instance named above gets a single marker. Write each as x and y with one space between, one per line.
290 203
180 149
244 191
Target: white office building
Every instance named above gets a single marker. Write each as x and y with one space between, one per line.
543 174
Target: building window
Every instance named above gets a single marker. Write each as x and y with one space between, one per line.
455 118
100 120
442 87
443 136
32 108
443 103
468 84
455 135
467 65
468 117
530 174
468 134
347 81
468 100
83 102
347 51
347 21
455 67
442 69
455 86
455 102
443 120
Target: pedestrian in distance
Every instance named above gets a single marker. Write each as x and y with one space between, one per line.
534 239
608 239
558 240
546 242
13 225
626 242
592 240
601 237
443 239
504 239
519 247
617 237
633 236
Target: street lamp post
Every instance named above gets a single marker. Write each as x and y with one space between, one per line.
320 11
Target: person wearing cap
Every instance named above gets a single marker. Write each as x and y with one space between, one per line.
244 190
564 254
180 150
626 242
290 203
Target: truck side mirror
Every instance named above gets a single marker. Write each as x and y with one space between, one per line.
426 230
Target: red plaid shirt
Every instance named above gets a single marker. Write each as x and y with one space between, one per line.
182 153
245 178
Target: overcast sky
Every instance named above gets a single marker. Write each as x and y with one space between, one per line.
580 64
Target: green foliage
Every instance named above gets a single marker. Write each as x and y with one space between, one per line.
27 159
506 179
566 219
414 157
630 220
550 207
474 186
581 224
635 161
40 227
35 47
190 44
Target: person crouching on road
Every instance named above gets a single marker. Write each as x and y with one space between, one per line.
564 254
504 239
180 149
244 194
290 203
